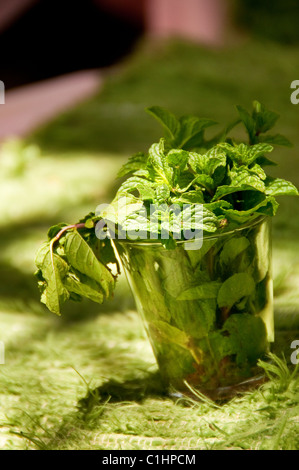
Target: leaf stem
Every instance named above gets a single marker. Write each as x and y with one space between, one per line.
58 236
69 227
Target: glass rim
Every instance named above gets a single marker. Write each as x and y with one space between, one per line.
157 242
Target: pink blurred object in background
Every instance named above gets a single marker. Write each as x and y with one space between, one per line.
28 107
10 10
204 21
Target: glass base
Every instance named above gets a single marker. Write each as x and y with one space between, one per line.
221 393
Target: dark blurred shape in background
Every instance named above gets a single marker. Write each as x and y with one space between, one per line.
46 38
40 39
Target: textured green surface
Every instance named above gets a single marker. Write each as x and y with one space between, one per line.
88 380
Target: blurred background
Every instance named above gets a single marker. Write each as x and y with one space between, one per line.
77 77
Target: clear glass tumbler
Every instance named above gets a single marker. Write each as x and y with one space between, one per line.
208 312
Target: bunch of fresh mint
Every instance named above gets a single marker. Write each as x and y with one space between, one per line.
185 169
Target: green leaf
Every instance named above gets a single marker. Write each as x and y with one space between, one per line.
253 204
258 170
248 121
157 162
239 184
137 225
177 158
225 190
270 208
84 287
256 151
184 181
191 130
162 193
264 118
166 118
204 181
55 229
267 207
208 290
121 208
245 178
276 139
207 163
280 187
82 258
232 248
136 162
243 154
89 224
191 197
217 207
264 161
234 289
247 337
185 133
105 252
164 332
52 271
144 187
198 217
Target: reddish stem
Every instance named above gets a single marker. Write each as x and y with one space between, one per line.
59 234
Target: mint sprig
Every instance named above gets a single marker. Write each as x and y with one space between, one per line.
228 178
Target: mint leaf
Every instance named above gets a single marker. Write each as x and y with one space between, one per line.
204 181
105 252
197 217
259 122
190 134
136 162
247 337
277 139
82 258
145 188
245 178
248 122
253 206
208 290
165 332
264 161
184 133
166 118
121 207
225 190
280 187
177 158
234 289
84 287
55 229
191 197
157 163
256 151
243 154
270 208
232 248
52 271
258 170
207 163
264 118
162 193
